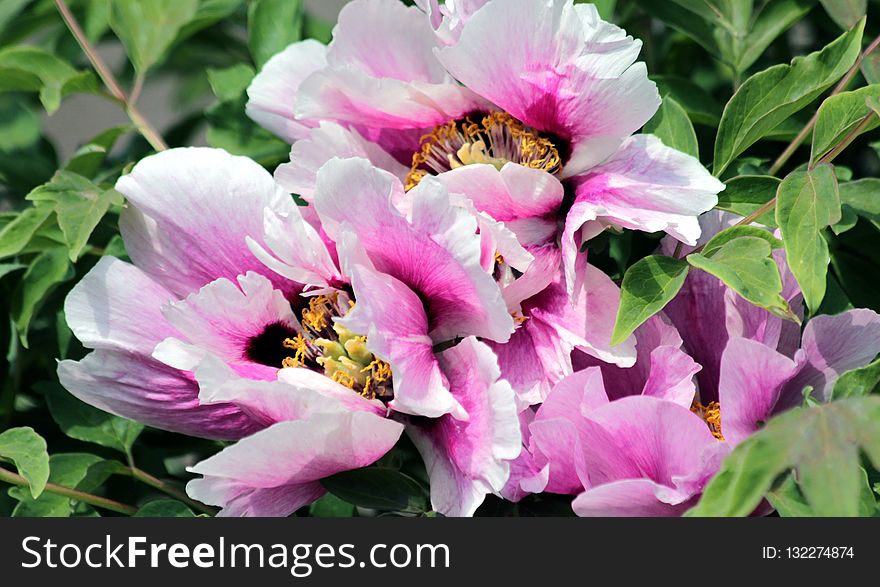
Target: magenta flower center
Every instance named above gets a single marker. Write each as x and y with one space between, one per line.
495 138
328 347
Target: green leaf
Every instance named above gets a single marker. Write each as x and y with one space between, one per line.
773 20
839 116
861 197
647 287
43 275
331 506
83 422
730 29
9 9
18 233
700 106
7 268
378 488
27 450
820 443
80 471
744 264
228 126
272 26
862 381
147 28
164 508
79 206
734 232
88 158
19 123
806 203
32 69
230 83
672 126
769 97
846 13
745 194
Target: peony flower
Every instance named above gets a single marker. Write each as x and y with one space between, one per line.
192 278
543 86
306 363
317 427
748 365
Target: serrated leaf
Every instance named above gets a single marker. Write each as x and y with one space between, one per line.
672 126
44 274
647 287
32 69
272 26
806 203
769 97
164 508
83 422
839 116
27 450
147 28
378 488
820 444
745 265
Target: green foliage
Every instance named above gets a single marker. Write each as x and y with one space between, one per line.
378 488
147 29
840 117
27 451
767 98
741 257
83 422
648 285
818 443
164 508
272 26
79 471
808 202
32 69
672 126
745 194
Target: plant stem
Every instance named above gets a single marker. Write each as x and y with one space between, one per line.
95 500
841 85
143 125
169 489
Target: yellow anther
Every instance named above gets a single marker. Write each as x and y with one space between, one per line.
343 378
498 138
290 362
711 414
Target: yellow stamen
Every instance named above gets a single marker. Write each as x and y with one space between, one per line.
343 378
711 414
317 315
497 139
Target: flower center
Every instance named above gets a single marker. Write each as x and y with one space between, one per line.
711 414
328 347
495 139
